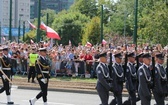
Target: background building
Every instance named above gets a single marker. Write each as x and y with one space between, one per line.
57 5
20 10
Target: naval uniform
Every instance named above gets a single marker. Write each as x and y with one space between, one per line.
103 85
6 68
43 73
118 80
160 86
145 84
131 83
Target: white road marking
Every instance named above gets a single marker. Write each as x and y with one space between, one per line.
50 103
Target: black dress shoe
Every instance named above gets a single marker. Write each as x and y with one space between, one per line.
10 102
30 102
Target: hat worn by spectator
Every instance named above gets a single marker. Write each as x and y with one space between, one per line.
118 55
160 56
43 49
103 54
131 54
5 48
146 55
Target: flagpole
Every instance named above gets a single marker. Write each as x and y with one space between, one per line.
39 15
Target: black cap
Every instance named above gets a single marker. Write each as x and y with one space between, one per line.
146 55
160 56
131 54
118 55
103 54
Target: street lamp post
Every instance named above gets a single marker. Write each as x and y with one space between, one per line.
19 27
10 22
101 37
135 23
0 33
39 15
23 31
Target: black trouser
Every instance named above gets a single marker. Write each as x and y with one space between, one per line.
103 94
32 73
159 99
6 85
117 99
44 88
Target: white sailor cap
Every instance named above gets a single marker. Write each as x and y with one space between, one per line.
5 48
42 49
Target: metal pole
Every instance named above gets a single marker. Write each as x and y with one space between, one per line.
0 33
135 22
10 22
23 31
19 31
47 17
101 24
38 28
125 25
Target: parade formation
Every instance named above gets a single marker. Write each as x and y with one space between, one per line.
142 70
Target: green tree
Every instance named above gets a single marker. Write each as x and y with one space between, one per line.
69 26
92 31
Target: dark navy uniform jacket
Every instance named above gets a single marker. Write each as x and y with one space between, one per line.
118 78
145 82
160 86
131 78
103 76
42 67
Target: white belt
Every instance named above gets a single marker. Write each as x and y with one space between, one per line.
45 71
6 68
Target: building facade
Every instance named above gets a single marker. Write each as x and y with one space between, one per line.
20 11
57 5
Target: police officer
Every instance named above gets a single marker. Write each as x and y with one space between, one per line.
160 86
43 73
145 80
131 79
118 79
6 68
32 58
103 85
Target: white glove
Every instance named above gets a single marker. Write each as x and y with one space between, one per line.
44 80
4 77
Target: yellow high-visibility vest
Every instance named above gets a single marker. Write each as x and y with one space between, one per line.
32 59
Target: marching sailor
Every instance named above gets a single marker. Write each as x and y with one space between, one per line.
103 85
6 74
43 73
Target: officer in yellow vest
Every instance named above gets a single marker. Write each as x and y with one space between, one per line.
32 58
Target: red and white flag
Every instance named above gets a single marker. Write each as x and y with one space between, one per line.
43 26
69 42
52 34
31 41
88 44
3 38
104 42
32 25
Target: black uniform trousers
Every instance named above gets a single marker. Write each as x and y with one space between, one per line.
117 99
6 85
103 94
44 89
32 73
159 98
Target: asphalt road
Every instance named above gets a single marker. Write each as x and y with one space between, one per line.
21 97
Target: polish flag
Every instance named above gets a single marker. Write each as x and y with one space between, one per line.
3 38
69 42
104 42
43 26
52 34
31 41
32 25
88 44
